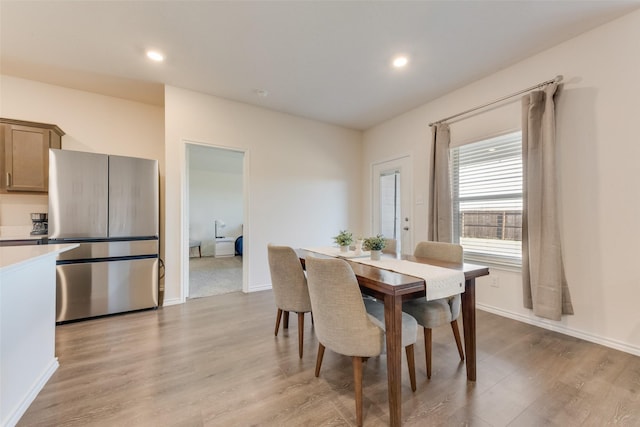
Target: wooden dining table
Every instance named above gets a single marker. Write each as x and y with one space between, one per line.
393 288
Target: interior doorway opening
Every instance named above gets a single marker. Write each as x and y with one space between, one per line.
215 220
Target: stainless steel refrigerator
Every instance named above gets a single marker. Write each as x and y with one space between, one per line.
110 205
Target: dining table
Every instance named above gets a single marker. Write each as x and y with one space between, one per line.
393 288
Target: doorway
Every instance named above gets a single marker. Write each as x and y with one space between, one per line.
215 214
391 183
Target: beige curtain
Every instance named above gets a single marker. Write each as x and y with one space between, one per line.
440 213
545 288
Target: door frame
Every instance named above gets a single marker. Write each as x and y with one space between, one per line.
184 247
405 164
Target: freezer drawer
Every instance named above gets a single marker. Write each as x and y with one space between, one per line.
97 288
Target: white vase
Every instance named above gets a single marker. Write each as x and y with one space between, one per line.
344 248
375 255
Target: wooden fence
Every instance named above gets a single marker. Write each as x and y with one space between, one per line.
501 225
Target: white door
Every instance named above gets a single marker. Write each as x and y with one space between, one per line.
391 182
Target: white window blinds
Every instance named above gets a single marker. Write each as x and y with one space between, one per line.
487 199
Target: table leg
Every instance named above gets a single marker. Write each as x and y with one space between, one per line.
393 323
469 325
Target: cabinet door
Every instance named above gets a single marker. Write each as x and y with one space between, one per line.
26 158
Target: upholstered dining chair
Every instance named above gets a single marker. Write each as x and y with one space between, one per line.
431 314
390 246
342 324
289 288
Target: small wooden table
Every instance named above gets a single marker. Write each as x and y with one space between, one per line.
393 288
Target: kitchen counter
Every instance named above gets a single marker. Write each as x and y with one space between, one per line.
23 240
27 325
16 256
18 232
20 235
23 237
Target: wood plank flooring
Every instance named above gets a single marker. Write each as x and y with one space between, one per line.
215 362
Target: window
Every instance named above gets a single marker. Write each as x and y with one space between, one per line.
487 199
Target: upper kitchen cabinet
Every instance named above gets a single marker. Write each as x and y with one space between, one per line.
24 155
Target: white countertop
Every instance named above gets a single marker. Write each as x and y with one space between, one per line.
18 232
15 256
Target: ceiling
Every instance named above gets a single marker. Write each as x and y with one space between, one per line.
324 60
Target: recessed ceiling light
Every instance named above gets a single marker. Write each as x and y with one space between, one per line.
262 93
400 61
154 55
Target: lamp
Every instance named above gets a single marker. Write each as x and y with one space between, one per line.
219 224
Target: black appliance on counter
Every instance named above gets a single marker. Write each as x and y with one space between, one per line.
40 225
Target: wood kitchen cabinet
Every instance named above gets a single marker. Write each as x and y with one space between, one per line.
24 155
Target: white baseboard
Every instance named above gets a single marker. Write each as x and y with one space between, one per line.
553 326
28 399
172 301
258 288
175 301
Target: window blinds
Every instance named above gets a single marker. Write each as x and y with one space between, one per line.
487 199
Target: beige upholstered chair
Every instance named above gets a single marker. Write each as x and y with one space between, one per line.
390 246
289 288
431 314
342 324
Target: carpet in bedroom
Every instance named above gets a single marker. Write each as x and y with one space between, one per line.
214 276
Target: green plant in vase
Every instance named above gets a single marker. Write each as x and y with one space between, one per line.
375 245
344 239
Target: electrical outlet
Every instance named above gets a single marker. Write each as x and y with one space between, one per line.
495 282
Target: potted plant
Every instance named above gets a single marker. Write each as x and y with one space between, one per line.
375 245
344 239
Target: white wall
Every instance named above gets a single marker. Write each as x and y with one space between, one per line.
597 117
92 122
303 178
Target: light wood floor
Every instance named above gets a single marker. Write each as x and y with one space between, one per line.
215 362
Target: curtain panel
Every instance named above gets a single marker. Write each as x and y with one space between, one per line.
545 288
441 209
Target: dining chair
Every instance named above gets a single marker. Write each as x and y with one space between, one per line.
342 324
431 314
389 246
289 288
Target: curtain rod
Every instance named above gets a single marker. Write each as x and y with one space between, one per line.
556 79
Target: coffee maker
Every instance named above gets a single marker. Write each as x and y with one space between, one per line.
40 224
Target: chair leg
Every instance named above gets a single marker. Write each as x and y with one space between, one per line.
412 366
278 317
456 334
427 350
319 359
300 333
357 385
286 320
